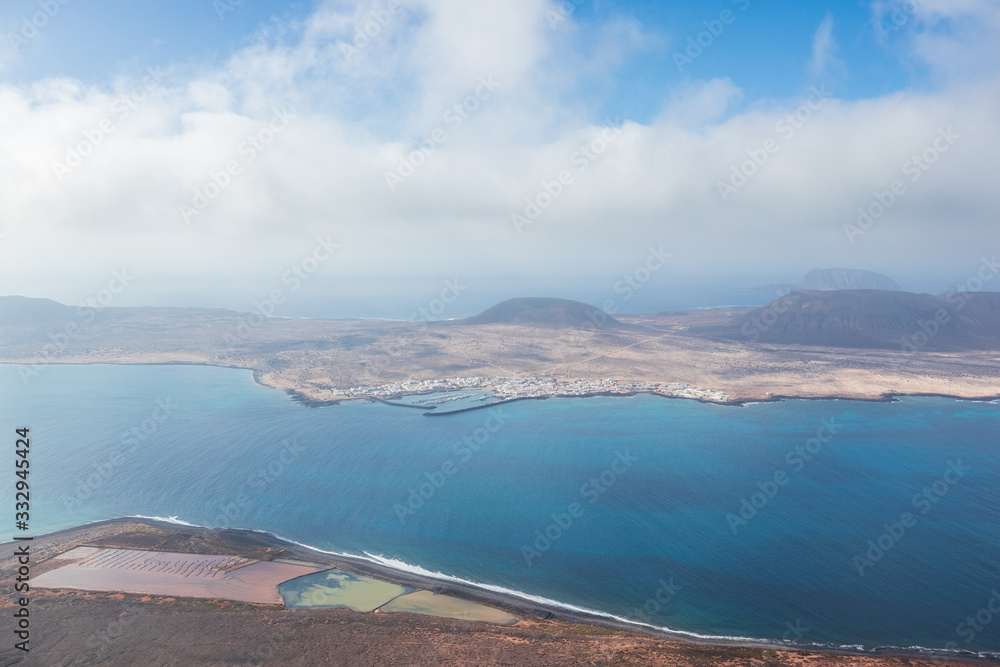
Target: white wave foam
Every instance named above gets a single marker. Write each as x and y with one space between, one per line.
402 566
166 519
396 564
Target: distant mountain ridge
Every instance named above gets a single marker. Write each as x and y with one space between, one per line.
870 319
840 279
30 311
862 318
543 312
847 279
27 310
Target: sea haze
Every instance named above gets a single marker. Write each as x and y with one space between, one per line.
659 544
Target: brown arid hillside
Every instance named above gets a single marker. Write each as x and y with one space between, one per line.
818 345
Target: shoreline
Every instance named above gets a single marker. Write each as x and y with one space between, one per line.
307 401
514 601
884 397
888 397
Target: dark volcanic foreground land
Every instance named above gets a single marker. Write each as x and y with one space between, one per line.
80 628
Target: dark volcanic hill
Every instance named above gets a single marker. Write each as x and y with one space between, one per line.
847 279
839 279
870 319
542 312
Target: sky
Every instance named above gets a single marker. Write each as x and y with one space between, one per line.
365 158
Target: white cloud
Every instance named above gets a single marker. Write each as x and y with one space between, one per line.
824 47
954 38
325 173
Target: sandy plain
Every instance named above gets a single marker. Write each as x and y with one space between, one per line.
312 358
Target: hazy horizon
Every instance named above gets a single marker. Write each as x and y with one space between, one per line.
398 299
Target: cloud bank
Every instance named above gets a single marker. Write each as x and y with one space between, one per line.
436 139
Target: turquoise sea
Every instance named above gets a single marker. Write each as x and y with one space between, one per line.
818 522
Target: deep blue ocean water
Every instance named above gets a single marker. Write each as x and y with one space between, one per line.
653 538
